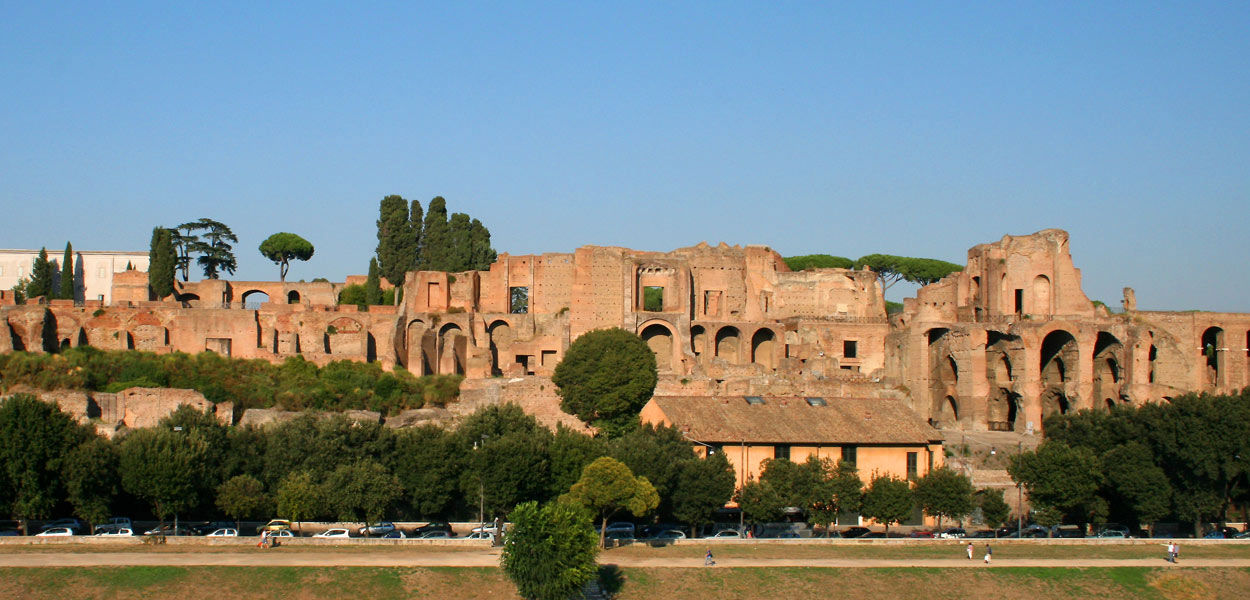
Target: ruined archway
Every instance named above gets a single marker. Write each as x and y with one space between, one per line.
292 297
1213 355
1059 354
252 299
1107 367
660 339
421 343
698 340
1001 410
763 348
345 338
1041 295
1054 402
501 338
945 412
452 347
727 344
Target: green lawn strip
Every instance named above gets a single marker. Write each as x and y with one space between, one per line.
931 551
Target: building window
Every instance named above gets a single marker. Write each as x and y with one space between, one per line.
519 300
911 465
99 274
848 455
653 298
850 348
781 451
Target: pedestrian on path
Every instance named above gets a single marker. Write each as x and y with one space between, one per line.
989 552
707 559
1170 557
1176 551
969 550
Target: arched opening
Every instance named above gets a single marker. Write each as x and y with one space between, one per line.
420 342
252 299
1107 372
1110 403
82 338
371 348
660 339
950 372
727 346
452 346
1054 402
1041 295
501 337
763 348
130 341
1212 351
1059 350
698 340
292 297
1001 410
189 300
946 412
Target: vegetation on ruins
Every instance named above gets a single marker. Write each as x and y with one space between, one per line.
40 283
607 487
162 262
1187 459
214 247
399 238
373 289
891 269
605 378
294 384
412 239
818 261
550 552
282 248
66 291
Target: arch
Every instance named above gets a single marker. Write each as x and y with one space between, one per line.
1110 403
950 370
1107 372
659 337
1041 295
1213 352
1059 350
421 343
945 411
1001 410
452 346
82 338
727 344
763 348
698 340
1055 402
292 297
189 300
252 299
344 325
500 336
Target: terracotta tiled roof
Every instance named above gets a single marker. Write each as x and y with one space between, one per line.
790 420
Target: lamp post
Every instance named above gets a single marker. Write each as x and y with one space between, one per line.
1019 498
481 488
711 449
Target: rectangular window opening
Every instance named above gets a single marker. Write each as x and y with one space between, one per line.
754 400
849 454
1019 302
912 466
781 451
816 402
653 298
850 348
518 300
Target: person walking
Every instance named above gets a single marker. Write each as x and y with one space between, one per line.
707 558
989 552
969 550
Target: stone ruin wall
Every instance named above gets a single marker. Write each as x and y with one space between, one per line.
996 346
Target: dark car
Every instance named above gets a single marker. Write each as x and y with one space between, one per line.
377 529
432 526
854 532
982 533
207 528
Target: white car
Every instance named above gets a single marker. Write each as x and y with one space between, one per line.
479 535
282 533
334 533
728 533
56 532
224 532
121 532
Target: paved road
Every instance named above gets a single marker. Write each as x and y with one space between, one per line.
488 558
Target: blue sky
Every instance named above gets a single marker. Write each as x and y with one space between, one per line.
809 127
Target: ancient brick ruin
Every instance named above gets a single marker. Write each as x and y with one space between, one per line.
997 346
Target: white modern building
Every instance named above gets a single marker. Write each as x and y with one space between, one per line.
93 270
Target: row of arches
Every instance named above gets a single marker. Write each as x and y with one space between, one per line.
727 343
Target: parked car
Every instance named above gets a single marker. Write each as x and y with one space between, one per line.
728 533
120 532
1112 533
394 535
276 525
1067 531
953 533
1114 527
435 534
854 532
223 532
982 533
114 524
1222 533
874 535
10 528
620 530
920 534
432 526
479 535
205 528
334 533
169 530
669 534
650 531
73 524
281 533
55 532
377 529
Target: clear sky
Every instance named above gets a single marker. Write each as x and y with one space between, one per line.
809 127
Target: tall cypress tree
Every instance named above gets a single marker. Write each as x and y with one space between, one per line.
67 273
373 287
480 253
397 244
435 237
458 248
162 263
40 276
415 224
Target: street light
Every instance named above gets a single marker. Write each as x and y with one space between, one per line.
481 489
711 449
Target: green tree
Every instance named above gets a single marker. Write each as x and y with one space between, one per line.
19 290
162 263
818 261
605 378
846 490
481 254
215 247
427 465
760 502
40 283
891 269
282 248
435 237
185 242
67 273
608 486
373 290
703 486
91 479
1061 477
994 509
944 494
459 247
299 498
549 554
1138 483
888 500
656 453
164 468
570 452
37 439
362 491
399 238
242 496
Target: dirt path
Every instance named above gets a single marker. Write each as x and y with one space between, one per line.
487 558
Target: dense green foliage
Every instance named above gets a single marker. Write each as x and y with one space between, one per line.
605 378
608 486
892 269
702 488
429 240
994 509
66 291
358 294
549 554
818 261
295 384
373 285
38 440
242 496
819 487
40 283
214 246
1187 459
888 500
284 247
162 263
399 238
944 494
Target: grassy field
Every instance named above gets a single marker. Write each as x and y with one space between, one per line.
238 583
